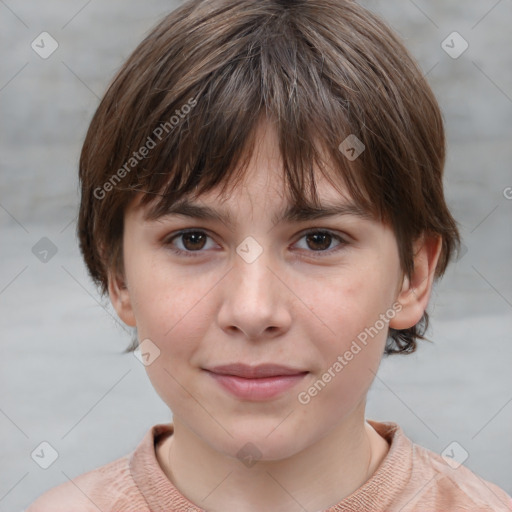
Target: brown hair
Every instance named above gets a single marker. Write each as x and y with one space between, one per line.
180 116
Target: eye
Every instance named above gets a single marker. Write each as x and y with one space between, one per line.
193 241
320 241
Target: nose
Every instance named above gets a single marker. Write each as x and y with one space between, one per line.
255 301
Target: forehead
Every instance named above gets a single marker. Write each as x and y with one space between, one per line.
215 206
263 183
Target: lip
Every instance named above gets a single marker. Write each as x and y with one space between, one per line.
256 383
255 372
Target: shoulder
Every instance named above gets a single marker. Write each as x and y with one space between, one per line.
62 498
452 484
100 488
428 480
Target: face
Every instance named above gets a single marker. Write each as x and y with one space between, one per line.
315 296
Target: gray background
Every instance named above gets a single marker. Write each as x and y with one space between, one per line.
63 377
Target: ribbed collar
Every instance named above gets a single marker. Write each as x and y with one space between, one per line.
376 494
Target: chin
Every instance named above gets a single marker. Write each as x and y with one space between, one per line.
262 450
266 441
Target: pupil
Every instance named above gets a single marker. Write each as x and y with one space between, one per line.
193 237
325 237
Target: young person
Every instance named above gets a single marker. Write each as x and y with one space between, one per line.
262 200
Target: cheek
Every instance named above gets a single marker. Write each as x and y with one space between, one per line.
174 315
347 303
353 335
172 307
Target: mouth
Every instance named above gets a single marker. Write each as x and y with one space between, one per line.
256 383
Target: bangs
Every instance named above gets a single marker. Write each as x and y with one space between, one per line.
197 173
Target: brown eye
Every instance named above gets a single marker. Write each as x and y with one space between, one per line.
190 242
193 241
320 242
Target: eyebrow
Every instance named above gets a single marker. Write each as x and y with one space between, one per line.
292 214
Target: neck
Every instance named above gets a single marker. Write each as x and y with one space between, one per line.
314 479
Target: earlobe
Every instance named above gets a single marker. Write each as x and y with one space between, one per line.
415 291
120 298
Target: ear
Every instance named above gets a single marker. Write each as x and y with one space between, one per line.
120 298
415 292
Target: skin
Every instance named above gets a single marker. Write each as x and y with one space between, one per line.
287 307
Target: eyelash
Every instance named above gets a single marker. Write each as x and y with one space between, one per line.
315 254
